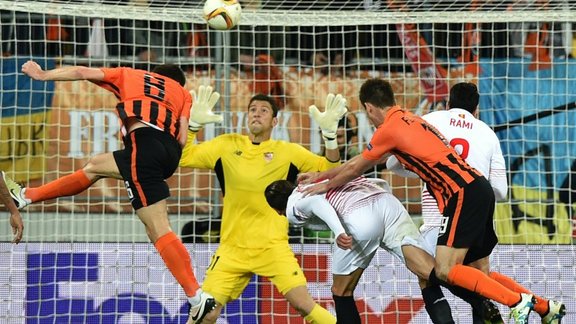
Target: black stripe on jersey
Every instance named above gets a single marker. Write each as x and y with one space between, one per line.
168 121
154 113
114 88
452 174
463 167
219 170
292 173
425 170
137 108
121 111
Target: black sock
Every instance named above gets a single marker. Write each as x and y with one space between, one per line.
471 298
346 311
436 305
433 280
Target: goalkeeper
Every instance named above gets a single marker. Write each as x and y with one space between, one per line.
253 238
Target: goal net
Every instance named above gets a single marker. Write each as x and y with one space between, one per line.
87 258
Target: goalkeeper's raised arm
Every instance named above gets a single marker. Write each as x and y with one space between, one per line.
334 110
202 105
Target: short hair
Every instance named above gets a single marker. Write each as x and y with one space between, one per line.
377 92
464 95
171 71
263 97
277 193
350 131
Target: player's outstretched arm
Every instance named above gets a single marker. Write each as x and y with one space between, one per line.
334 110
338 176
201 113
67 73
15 218
321 208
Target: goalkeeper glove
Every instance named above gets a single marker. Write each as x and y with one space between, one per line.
201 112
334 110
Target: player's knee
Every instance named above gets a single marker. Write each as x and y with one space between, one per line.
442 271
93 167
341 291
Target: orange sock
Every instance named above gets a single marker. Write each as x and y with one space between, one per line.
541 306
478 282
177 260
69 185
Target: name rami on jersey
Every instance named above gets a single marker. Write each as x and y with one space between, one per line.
460 123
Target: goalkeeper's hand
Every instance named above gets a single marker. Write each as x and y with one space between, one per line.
201 112
334 110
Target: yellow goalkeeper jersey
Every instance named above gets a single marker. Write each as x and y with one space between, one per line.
244 170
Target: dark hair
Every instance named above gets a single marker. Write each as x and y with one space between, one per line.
263 97
350 131
377 92
277 193
172 71
464 95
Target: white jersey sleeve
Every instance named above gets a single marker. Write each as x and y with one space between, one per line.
302 210
497 174
392 164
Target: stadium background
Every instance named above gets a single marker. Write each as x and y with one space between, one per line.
86 258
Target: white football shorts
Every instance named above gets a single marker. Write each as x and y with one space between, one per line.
382 223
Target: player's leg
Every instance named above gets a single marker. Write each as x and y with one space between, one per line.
343 287
99 166
550 311
469 212
348 266
403 240
149 157
226 277
279 264
175 257
367 226
421 262
483 310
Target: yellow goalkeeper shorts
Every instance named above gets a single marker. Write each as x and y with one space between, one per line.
231 269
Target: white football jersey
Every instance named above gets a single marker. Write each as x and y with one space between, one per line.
477 143
317 211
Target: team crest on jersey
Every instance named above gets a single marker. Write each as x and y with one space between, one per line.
268 156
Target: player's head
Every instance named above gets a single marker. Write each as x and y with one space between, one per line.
262 112
277 194
378 93
171 71
464 95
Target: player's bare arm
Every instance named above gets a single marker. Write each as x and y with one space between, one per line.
183 135
353 168
334 110
17 227
15 218
67 73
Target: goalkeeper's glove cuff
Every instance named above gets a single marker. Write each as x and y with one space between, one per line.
194 127
330 141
